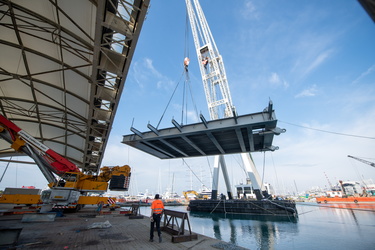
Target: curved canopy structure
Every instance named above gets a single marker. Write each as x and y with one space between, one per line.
63 65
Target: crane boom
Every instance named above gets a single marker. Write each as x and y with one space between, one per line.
211 64
372 164
217 92
71 188
47 159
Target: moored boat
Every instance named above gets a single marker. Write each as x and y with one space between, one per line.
349 192
350 199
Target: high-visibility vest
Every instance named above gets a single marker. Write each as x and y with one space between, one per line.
157 206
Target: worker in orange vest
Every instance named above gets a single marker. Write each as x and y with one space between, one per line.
157 208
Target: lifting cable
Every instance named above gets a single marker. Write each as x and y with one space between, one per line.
330 132
187 82
170 99
183 160
6 168
183 105
209 166
241 166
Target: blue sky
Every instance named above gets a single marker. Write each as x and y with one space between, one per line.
315 61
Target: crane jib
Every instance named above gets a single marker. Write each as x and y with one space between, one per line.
60 164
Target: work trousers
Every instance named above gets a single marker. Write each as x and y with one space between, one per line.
157 219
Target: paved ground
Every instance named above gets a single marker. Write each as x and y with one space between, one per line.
72 232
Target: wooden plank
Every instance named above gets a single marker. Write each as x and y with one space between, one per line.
184 238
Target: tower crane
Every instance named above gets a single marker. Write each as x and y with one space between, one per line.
217 93
364 161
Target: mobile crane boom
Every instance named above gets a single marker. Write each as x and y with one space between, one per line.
364 161
47 160
68 185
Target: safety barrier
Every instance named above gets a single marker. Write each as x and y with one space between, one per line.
174 223
135 212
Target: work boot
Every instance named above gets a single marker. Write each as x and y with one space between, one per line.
160 239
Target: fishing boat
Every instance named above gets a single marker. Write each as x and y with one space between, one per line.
349 192
347 200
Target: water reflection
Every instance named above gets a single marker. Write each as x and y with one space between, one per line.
263 231
245 217
319 226
348 212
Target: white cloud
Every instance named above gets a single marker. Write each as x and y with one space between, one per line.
308 92
364 74
249 11
146 74
191 115
149 65
318 60
275 80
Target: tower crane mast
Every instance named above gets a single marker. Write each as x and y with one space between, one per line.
217 93
372 164
211 67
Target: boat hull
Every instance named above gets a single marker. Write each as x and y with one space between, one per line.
263 207
346 200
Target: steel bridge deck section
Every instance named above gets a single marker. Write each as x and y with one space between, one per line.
239 134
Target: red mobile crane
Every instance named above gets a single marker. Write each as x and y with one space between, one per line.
69 187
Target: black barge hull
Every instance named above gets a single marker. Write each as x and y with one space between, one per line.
263 207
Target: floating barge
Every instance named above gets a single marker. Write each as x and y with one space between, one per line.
251 207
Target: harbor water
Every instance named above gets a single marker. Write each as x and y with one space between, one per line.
317 227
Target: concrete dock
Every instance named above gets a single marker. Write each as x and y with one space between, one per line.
87 230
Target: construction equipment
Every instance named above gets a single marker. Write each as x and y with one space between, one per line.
218 95
191 194
69 187
364 161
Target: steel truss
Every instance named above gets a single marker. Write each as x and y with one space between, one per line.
63 66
